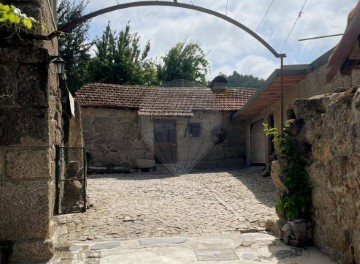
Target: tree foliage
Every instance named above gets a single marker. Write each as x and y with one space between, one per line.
240 80
73 46
120 60
184 61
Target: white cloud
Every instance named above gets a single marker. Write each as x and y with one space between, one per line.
231 48
252 64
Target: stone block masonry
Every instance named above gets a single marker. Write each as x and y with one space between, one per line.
332 128
113 138
30 127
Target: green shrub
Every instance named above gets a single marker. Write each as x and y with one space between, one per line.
295 201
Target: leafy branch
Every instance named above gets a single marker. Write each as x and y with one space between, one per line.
295 201
12 17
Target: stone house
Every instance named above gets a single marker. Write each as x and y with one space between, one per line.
300 81
124 126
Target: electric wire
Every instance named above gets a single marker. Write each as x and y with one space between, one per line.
292 29
320 37
266 13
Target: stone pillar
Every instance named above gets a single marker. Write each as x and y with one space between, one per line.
30 127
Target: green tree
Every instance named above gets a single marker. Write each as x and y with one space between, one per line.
184 61
120 60
73 46
240 80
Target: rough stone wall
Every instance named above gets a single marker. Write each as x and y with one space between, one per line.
112 137
30 127
332 128
232 152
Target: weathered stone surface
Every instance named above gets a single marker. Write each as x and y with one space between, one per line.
276 174
26 55
250 256
30 204
107 245
162 241
139 145
332 128
321 150
215 254
7 84
32 252
111 136
312 107
27 164
32 86
26 126
144 163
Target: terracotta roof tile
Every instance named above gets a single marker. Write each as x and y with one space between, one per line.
162 101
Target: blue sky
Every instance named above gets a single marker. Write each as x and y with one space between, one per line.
228 48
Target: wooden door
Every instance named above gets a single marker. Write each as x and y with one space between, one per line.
165 141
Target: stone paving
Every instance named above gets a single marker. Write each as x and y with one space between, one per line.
200 217
127 206
245 248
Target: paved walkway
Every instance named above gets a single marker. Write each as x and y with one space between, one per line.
148 218
246 248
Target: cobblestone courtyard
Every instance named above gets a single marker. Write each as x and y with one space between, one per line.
127 206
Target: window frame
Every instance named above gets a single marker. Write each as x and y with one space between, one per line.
194 125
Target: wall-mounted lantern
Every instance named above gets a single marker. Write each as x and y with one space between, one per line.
60 65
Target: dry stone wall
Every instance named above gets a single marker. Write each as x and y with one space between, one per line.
332 128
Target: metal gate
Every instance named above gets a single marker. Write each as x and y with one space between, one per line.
70 180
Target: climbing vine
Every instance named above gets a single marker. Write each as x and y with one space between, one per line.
295 201
12 17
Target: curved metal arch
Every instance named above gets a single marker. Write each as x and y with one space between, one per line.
82 19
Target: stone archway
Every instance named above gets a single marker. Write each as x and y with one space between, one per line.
31 127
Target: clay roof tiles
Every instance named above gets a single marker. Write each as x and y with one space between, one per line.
162 101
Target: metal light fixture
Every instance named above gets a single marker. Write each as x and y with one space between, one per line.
60 64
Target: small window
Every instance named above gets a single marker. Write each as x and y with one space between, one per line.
194 129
